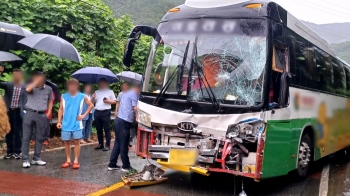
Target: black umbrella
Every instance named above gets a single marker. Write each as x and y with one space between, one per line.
10 34
55 90
53 45
7 56
94 75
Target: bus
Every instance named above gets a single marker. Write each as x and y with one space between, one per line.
240 87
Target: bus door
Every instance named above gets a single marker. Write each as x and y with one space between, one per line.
279 117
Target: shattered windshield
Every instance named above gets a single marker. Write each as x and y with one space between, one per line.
230 53
233 67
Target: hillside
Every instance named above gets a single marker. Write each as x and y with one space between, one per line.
343 51
145 12
150 12
334 33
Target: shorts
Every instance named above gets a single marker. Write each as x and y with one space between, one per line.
68 135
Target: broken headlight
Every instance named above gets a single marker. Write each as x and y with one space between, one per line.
248 130
144 118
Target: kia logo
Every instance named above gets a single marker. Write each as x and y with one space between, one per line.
186 126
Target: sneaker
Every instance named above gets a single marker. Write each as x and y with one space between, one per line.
17 156
113 167
38 162
129 169
9 156
26 164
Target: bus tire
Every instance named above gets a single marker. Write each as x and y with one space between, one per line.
304 157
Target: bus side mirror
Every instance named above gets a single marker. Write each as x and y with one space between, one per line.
135 35
129 49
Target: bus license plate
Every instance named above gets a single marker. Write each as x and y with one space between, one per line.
182 157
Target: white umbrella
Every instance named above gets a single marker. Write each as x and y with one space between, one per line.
129 76
7 56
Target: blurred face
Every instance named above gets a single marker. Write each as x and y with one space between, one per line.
125 87
87 89
102 84
17 76
73 87
41 79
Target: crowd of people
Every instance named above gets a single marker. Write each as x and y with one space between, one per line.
29 111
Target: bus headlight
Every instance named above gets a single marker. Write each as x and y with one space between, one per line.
144 118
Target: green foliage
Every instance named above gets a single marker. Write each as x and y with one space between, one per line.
89 25
143 12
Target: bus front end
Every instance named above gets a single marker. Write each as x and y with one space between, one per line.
205 93
202 143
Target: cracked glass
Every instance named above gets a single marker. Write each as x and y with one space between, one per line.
233 68
231 54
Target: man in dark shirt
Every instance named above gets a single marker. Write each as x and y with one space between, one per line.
37 110
15 98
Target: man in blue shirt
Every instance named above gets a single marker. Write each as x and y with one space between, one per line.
122 124
71 107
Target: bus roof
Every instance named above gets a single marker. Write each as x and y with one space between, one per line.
236 9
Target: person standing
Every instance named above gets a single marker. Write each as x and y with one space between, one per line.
39 99
104 98
124 88
15 98
87 121
122 124
71 107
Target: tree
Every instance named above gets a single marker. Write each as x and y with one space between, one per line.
88 24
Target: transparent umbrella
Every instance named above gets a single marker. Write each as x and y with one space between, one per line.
129 76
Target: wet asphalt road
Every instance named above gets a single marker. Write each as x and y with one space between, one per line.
94 175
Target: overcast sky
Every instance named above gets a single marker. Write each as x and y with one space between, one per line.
318 11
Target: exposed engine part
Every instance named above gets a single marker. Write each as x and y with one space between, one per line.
244 149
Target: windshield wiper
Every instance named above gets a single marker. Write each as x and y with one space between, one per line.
201 75
179 85
166 86
177 72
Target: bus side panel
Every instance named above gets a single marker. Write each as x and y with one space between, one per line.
277 158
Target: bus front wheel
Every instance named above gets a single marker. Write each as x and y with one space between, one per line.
304 156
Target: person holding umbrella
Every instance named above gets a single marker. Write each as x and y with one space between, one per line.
15 98
104 98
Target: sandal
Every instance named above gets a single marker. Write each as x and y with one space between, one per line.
66 164
76 166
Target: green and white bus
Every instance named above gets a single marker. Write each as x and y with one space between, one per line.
240 87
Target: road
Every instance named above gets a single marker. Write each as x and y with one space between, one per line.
93 178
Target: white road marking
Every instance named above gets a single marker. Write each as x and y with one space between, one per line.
323 191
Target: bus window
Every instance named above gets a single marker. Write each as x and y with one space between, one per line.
302 63
310 76
347 75
339 77
280 61
325 70
291 42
